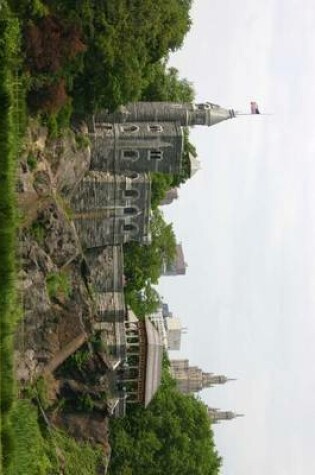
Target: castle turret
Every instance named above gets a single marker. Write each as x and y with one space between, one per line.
186 114
147 136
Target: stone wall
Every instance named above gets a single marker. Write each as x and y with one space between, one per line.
112 209
137 146
106 269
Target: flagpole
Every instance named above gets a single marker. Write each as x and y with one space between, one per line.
249 113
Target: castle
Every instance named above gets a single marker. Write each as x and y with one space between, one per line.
112 203
111 206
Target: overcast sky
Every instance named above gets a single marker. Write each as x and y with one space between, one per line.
247 225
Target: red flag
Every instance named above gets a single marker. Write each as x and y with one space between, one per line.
254 108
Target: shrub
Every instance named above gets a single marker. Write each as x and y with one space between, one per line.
49 98
31 162
50 44
58 284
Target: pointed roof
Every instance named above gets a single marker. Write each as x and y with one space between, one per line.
215 113
195 164
219 114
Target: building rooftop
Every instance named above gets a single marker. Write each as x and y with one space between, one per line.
154 359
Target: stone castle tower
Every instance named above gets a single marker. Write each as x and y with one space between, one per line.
148 136
191 379
216 416
112 203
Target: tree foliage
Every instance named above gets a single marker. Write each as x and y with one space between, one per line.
144 263
123 46
173 435
145 301
164 84
161 183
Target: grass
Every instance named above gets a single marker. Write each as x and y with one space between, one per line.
80 458
82 141
31 448
58 284
10 131
43 452
31 162
37 231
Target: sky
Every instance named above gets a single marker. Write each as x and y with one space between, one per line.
247 225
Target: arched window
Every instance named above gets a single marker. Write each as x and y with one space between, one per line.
132 155
131 175
130 210
131 193
203 106
105 126
129 128
130 227
155 154
155 128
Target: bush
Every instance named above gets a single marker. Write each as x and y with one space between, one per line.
58 284
31 162
50 44
49 98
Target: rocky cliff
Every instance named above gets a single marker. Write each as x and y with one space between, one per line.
57 305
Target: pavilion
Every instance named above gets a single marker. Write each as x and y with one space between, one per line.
139 377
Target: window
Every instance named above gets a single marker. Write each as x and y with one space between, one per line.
203 106
105 126
131 175
130 154
130 210
155 155
131 193
130 227
129 128
155 128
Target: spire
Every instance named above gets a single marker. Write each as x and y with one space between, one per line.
209 379
210 114
217 415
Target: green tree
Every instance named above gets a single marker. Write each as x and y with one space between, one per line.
160 184
145 301
125 41
173 435
164 84
143 264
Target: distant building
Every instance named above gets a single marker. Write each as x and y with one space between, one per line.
178 266
191 379
216 416
170 196
169 327
158 320
174 332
